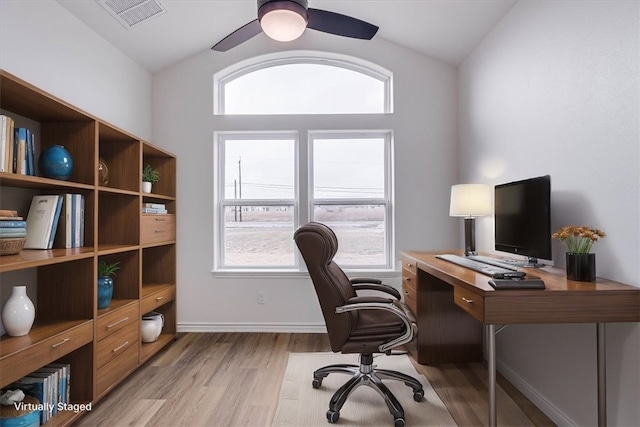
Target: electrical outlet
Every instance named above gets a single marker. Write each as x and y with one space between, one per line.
260 298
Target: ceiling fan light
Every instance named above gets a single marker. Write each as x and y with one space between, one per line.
283 25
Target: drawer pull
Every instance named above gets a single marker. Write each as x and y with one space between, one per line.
159 298
124 319
160 219
467 300
115 350
409 264
407 279
60 343
159 231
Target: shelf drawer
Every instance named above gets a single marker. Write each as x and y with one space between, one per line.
409 264
469 302
156 299
116 369
114 345
21 363
116 320
157 228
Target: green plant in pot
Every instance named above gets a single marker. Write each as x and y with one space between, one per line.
105 283
150 176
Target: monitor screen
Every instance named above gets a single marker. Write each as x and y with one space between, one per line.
523 218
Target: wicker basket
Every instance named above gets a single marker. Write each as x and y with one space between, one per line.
12 246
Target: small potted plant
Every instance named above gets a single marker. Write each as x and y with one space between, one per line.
105 282
149 177
581 264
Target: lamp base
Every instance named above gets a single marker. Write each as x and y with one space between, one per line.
470 236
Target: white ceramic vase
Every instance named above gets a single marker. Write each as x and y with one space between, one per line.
18 313
146 187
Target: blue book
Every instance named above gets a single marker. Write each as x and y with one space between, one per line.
7 233
31 166
54 226
13 224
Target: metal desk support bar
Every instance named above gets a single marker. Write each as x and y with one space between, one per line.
491 368
602 375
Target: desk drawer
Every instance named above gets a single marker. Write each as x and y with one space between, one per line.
409 264
115 370
156 299
116 320
114 345
410 297
469 302
157 228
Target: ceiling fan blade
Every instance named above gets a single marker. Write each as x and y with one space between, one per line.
341 25
239 36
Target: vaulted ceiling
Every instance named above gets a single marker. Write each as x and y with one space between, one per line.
444 29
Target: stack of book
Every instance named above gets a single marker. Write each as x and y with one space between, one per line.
12 226
50 385
55 221
17 146
154 208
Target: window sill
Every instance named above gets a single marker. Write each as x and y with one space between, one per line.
290 274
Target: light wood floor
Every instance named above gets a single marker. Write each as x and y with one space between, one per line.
233 379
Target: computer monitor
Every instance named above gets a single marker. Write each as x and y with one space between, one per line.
522 212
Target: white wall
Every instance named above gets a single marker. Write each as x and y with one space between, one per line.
554 89
42 43
425 132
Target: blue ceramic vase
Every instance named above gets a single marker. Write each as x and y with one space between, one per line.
56 162
105 291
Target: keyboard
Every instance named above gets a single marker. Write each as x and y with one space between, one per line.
495 262
490 270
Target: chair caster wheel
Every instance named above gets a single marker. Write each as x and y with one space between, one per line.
333 416
418 395
398 422
316 383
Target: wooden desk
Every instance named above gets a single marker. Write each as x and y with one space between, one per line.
455 307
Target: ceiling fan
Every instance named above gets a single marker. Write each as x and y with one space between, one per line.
286 20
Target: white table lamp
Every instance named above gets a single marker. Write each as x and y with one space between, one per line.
470 201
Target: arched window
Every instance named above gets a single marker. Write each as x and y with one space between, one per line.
270 180
303 84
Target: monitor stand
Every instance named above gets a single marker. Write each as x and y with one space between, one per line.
531 262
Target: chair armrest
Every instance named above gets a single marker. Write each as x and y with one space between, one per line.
396 307
357 280
359 286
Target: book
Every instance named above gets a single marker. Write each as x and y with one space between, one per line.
12 224
154 205
37 387
31 166
6 233
40 220
9 148
65 380
54 226
20 154
154 211
63 238
3 143
8 212
11 218
81 220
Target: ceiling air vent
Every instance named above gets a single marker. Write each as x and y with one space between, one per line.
133 12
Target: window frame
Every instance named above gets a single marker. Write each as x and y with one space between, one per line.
229 74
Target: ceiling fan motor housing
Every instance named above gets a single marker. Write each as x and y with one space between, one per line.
297 6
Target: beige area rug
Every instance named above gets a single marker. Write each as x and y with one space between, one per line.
302 405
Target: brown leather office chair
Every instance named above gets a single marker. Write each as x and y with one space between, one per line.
356 324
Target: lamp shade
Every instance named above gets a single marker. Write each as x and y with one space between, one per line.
470 200
283 25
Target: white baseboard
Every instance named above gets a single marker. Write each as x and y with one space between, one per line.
536 398
252 327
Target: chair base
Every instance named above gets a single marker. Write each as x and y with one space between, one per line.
367 374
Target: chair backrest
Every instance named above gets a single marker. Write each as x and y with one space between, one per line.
318 245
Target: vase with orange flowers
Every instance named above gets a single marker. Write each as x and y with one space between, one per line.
581 263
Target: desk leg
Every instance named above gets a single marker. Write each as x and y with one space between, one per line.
602 375
491 368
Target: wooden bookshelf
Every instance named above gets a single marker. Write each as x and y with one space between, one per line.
102 346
